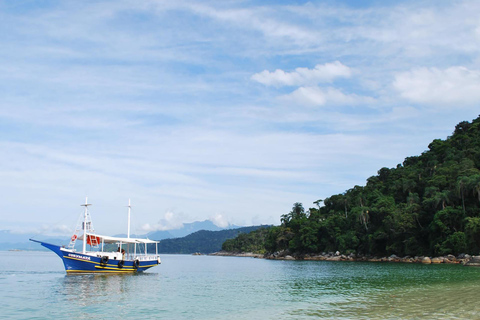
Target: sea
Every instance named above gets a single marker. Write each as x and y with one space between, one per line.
34 285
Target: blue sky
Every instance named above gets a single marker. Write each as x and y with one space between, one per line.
222 110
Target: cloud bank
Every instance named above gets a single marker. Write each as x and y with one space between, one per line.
456 86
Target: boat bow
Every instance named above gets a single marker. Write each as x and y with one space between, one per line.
55 248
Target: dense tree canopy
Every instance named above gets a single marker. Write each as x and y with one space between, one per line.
429 204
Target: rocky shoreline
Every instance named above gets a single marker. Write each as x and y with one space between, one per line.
464 259
238 254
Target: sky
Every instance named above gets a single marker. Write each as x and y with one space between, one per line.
223 110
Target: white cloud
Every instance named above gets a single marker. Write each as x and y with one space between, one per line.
309 94
304 76
219 221
316 96
455 86
258 19
170 221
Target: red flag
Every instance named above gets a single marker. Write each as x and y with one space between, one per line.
93 240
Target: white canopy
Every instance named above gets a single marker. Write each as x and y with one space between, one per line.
108 239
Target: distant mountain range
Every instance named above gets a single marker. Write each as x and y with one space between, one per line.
9 240
202 241
185 230
19 241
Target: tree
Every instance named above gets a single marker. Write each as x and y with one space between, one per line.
318 202
472 230
442 197
298 212
462 183
474 184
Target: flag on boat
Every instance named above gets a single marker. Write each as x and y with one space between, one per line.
93 240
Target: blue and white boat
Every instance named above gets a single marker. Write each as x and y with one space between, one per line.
106 254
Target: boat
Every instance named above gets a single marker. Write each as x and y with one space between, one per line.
106 254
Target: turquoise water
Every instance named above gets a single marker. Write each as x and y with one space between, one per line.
34 286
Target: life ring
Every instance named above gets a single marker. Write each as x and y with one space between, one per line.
104 260
74 237
120 264
136 264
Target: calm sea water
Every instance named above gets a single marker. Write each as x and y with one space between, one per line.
34 285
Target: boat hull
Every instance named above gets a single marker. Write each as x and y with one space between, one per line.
76 262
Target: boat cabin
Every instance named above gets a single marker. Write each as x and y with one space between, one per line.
116 248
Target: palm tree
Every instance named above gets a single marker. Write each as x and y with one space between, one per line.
462 183
363 216
475 185
297 212
442 197
345 202
318 203
298 209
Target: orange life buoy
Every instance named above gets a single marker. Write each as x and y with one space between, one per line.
74 237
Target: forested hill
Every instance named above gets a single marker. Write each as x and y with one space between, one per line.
429 205
201 241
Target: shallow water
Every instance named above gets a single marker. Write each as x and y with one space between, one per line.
34 285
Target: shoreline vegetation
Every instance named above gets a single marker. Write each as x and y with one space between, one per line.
464 259
425 210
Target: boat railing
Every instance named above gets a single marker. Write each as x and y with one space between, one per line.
126 256
141 257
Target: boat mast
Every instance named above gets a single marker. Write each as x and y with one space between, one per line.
84 249
128 225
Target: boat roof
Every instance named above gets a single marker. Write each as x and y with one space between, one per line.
109 239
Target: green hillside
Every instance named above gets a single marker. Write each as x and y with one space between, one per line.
428 205
201 241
